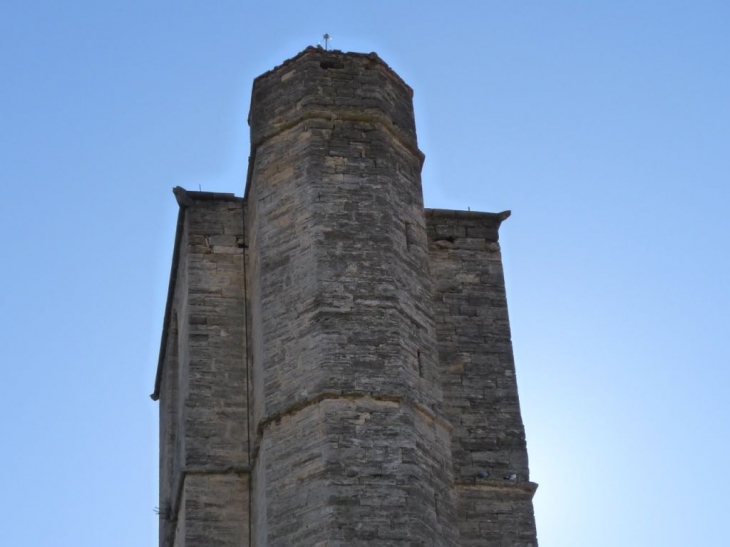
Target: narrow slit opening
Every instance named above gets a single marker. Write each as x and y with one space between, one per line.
331 65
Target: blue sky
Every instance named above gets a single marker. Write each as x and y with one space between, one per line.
603 126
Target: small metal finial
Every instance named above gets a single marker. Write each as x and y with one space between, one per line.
327 39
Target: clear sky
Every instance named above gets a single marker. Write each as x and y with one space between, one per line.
603 125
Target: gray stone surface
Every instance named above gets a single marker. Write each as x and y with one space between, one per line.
373 342
202 391
342 329
480 387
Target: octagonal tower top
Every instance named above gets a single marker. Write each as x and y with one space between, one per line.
318 83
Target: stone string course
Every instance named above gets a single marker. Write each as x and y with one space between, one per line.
336 366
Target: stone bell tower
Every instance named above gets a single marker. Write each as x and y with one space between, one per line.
336 366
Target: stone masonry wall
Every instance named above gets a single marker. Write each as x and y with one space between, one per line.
346 387
203 401
489 452
376 374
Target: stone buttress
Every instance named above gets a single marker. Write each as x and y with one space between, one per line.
201 380
493 488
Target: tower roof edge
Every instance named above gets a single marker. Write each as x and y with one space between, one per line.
311 50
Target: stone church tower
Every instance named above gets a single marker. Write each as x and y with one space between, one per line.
336 366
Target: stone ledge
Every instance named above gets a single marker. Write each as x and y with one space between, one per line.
463 229
494 485
334 395
187 198
479 216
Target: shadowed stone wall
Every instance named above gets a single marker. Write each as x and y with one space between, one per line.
202 381
493 488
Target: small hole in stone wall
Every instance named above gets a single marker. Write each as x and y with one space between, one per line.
331 64
450 239
420 363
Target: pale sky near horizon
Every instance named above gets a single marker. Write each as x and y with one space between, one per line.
603 126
